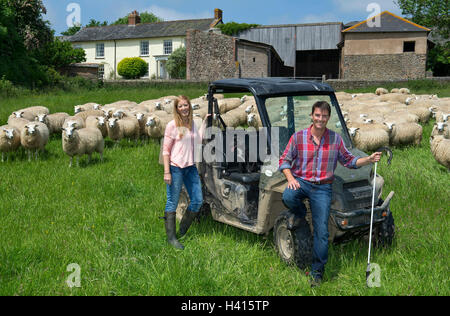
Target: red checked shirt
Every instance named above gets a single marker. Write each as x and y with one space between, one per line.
313 162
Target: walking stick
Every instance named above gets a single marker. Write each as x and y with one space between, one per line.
389 151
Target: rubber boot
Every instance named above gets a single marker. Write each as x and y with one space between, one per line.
186 222
170 224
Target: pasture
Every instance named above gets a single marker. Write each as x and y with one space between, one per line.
105 218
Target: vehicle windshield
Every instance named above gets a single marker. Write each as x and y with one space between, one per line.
293 114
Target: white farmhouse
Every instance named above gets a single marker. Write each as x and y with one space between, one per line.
153 42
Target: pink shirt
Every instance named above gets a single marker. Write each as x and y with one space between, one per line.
181 150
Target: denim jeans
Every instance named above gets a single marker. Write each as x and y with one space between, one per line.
320 202
191 180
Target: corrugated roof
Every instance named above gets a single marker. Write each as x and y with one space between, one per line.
144 30
389 22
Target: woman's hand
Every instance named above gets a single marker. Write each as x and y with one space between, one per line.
168 178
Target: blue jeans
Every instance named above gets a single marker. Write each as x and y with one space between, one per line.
191 180
320 202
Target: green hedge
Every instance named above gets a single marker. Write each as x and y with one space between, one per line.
132 68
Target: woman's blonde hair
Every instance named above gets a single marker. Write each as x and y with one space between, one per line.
177 115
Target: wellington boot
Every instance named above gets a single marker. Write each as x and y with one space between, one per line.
186 222
171 230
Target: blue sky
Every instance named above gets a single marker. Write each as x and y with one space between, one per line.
242 11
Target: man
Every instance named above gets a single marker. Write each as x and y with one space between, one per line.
308 163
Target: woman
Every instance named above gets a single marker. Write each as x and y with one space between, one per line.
180 137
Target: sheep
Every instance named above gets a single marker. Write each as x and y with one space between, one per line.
401 117
236 117
31 112
83 141
441 128
156 125
441 116
18 123
74 121
9 140
148 105
54 121
404 133
127 127
142 119
166 107
229 104
394 97
404 91
34 136
369 140
98 122
381 91
254 120
87 107
422 113
395 90
85 114
440 148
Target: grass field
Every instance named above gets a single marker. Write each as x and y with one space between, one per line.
104 217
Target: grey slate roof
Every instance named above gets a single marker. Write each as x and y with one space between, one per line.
144 30
389 22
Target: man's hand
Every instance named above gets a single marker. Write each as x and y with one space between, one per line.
293 184
375 157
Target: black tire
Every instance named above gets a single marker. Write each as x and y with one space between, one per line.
294 245
386 231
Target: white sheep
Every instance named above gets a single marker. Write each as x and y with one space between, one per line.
404 91
31 112
85 114
441 128
393 97
34 136
440 148
235 117
228 104
18 123
128 127
98 122
156 125
87 107
395 90
9 140
53 121
369 140
381 91
83 141
254 120
404 133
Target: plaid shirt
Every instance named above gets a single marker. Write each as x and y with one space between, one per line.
313 162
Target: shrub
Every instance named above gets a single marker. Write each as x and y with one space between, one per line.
176 64
132 68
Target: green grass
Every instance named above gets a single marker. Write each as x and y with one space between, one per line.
104 217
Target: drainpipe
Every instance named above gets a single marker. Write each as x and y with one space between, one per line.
115 63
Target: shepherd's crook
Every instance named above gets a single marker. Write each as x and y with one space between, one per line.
373 202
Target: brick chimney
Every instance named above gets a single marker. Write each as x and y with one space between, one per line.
134 18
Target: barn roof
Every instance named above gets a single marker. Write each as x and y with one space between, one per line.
389 22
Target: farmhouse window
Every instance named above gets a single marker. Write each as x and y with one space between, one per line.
168 47
100 50
409 47
145 51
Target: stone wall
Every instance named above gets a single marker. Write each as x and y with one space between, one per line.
210 56
384 67
253 61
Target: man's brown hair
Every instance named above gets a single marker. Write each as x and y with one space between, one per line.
323 105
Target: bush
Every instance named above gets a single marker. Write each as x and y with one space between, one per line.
176 64
132 68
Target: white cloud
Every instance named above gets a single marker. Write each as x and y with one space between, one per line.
168 14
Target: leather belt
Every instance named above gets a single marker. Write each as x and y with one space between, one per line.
321 182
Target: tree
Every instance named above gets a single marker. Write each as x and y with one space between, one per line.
433 14
176 64
93 23
58 54
146 17
233 28
72 30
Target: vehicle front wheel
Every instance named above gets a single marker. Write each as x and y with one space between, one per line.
294 244
386 231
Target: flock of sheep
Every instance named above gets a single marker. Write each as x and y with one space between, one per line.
373 119
84 132
382 118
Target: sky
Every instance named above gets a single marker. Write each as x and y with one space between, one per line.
62 13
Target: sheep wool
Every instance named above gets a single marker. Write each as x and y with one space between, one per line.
440 148
53 121
81 142
34 136
405 133
369 140
9 140
127 127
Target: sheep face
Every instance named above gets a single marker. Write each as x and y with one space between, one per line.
101 120
31 129
9 132
352 131
440 126
167 101
389 125
445 116
195 106
41 118
140 116
118 113
151 121
249 109
18 114
251 118
77 109
112 122
158 106
97 106
68 131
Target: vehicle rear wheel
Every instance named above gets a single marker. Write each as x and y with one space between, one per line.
386 231
294 245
